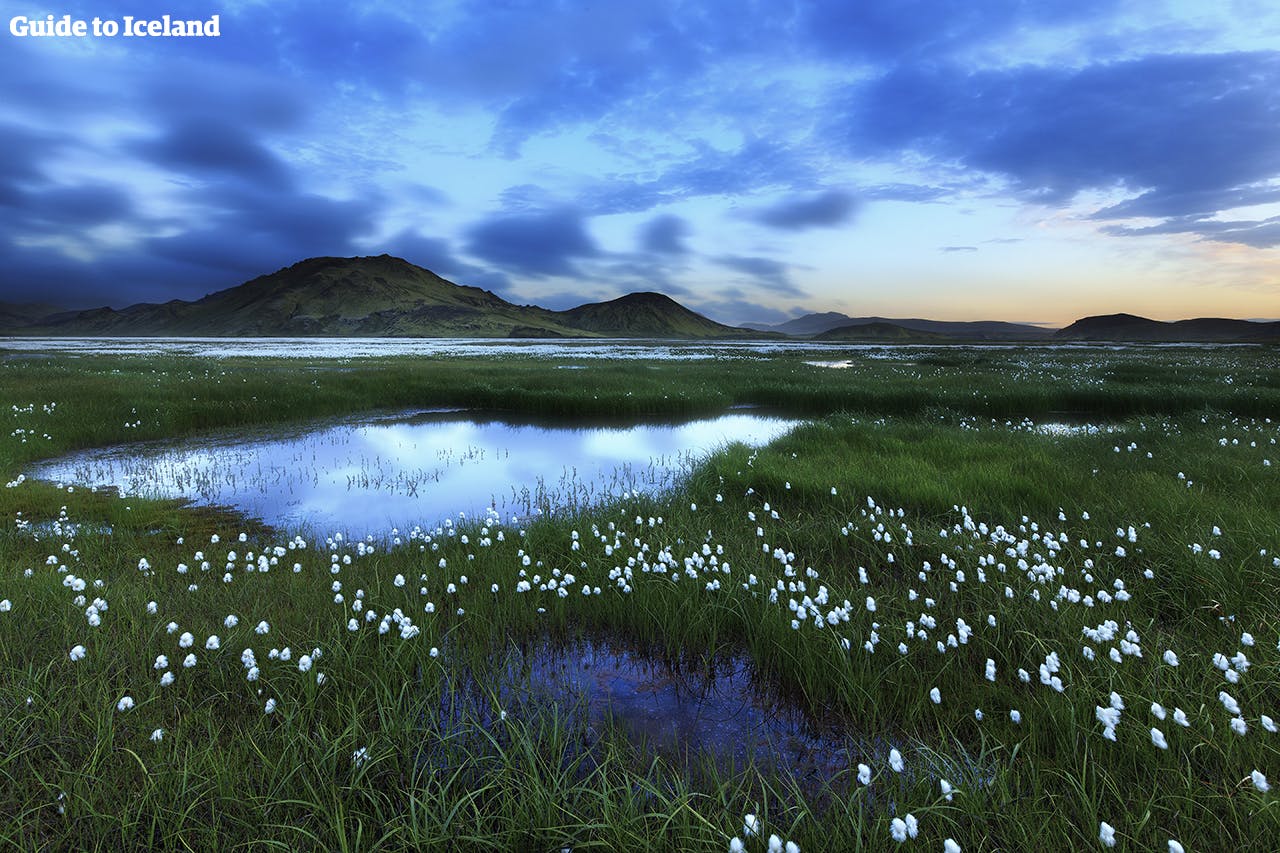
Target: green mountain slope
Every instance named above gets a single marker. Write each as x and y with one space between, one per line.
647 315
380 296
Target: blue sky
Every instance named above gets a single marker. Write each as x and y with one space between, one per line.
1004 159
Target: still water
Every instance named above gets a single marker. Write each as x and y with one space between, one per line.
369 476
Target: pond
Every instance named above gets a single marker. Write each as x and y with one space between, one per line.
366 477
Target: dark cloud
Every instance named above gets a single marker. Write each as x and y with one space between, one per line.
59 208
437 255
665 235
825 209
900 30
1157 204
1177 126
249 231
957 248
772 274
533 244
210 148
1260 234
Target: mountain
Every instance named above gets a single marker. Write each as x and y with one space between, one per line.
645 315
809 324
23 313
816 324
1128 327
379 296
881 331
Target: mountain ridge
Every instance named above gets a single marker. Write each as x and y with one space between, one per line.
376 296
1131 327
810 325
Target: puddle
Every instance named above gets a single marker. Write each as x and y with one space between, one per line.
710 710
686 713
370 476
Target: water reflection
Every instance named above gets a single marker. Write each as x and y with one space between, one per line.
367 477
678 709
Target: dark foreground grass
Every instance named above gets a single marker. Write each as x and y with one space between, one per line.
377 755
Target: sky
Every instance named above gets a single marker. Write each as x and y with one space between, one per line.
1024 160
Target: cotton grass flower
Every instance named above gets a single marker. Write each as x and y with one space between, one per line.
895 761
1107 834
77 653
1157 738
950 846
735 846
1260 781
270 707
157 735
750 825
126 703
898 829
864 774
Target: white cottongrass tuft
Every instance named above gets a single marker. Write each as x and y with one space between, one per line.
77 653
126 703
1260 781
895 761
1107 834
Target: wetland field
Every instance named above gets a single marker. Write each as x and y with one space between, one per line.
545 597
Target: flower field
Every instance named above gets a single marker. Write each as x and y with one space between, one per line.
1014 598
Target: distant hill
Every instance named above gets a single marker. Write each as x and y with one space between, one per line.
816 324
1129 327
22 313
645 315
881 331
380 296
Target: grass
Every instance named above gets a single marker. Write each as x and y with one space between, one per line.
911 450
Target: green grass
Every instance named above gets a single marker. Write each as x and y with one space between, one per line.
916 436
